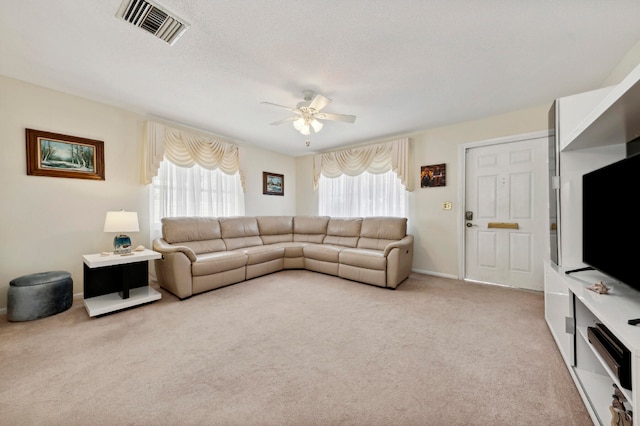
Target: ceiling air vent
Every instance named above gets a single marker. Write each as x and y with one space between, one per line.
153 19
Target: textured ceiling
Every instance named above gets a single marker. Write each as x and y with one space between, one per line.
400 66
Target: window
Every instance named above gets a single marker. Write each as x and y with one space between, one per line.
194 191
360 196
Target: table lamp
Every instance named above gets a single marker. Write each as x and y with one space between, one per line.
121 222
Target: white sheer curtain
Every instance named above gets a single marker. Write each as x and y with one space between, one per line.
364 195
190 175
193 191
369 180
376 159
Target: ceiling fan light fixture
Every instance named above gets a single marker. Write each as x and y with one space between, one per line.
317 126
308 112
299 124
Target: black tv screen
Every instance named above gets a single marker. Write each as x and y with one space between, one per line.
610 227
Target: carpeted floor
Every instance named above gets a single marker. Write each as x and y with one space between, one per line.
295 348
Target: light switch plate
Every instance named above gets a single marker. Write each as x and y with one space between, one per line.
447 205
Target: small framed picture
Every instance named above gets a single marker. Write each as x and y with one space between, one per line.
272 183
434 175
56 155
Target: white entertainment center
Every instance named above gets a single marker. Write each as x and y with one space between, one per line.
591 131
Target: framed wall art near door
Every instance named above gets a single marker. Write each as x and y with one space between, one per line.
272 183
56 155
434 175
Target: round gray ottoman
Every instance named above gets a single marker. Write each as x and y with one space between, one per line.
39 295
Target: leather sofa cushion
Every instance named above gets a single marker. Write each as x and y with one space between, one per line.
239 232
363 258
377 232
275 229
292 249
181 229
343 231
323 252
206 246
310 229
262 254
213 263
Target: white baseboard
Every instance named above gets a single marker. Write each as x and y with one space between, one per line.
436 274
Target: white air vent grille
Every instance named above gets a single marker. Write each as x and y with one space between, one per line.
153 19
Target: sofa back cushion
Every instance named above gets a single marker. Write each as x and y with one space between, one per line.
275 229
200 234
377 232
239 232
310 229
343 231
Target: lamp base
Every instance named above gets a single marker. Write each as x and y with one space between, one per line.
122 244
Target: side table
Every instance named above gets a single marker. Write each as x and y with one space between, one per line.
113 282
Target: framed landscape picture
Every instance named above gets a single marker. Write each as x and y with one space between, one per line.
272 183
56 155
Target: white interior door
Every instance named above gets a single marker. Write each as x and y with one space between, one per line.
506 192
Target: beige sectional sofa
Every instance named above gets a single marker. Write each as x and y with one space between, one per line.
201 253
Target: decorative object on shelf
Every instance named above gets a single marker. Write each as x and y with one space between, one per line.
272 183
121 222
434 175
599 288
57 155
620 416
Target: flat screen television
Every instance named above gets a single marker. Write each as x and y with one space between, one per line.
611 220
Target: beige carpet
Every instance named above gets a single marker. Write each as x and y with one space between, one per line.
295 348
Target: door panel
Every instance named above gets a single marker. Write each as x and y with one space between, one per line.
506 191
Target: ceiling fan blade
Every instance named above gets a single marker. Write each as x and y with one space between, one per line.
280 106
336 117
285 120
319 102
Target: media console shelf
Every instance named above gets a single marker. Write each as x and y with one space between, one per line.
576 307
591 131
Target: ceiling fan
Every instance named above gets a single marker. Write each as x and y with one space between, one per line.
308 112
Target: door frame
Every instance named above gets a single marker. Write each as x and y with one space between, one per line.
462 176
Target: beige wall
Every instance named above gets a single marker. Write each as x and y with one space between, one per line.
436 230
254 161
49 223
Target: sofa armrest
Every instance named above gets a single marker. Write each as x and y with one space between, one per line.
161 246
405 243
399 260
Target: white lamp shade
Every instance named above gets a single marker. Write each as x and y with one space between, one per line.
317 126
121 222
298 124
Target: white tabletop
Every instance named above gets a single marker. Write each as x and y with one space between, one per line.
99 260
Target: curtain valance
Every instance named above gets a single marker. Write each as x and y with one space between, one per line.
185 150
376 159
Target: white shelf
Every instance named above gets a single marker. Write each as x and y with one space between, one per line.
599 392
112 302
612 121
613 309
101 260
603 120
626 392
